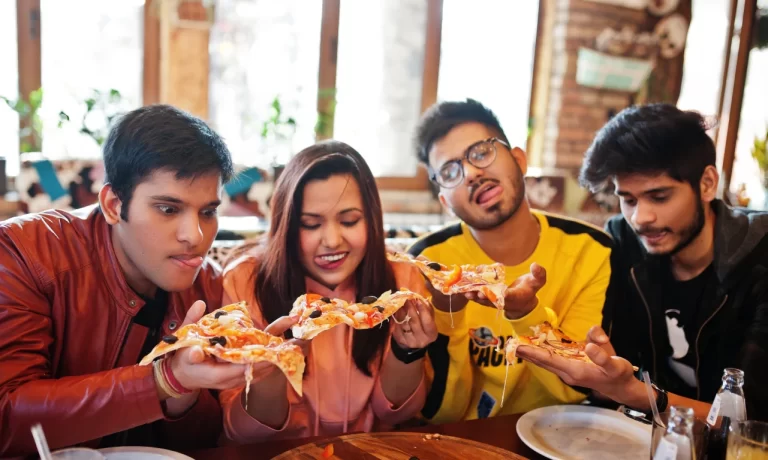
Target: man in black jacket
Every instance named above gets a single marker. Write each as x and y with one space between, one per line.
689 284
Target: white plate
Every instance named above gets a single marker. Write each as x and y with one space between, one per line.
574 432
141 453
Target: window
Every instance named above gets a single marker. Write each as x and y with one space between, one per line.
378 79
262 51
95 45
9 87
753 123
704 57
486 53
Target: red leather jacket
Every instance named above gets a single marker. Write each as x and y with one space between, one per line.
68 348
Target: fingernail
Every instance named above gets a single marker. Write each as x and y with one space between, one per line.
602 338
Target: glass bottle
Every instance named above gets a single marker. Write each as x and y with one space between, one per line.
729 406
677 441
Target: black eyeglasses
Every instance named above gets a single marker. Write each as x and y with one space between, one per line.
480 155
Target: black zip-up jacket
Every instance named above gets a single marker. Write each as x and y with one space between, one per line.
732 316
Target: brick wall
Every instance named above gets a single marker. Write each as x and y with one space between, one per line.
574 112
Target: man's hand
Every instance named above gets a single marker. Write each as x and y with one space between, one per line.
520 297
608 374
194 370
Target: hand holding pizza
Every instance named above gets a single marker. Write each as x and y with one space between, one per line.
195 370
608 374
415 326
520 296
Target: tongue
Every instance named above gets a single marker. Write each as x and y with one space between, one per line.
488 195
192 262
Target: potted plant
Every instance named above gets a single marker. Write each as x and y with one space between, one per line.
277 128
30 120
101 109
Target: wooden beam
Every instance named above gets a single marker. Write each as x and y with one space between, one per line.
726 62
432 43
28 43
736 91
184 58
542 66
326 76
151 67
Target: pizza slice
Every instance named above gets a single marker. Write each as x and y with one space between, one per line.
318 314
228 334
459 279
547 338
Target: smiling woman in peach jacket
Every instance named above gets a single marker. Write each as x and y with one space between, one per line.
326 237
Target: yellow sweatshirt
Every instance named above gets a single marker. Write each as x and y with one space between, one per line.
466 372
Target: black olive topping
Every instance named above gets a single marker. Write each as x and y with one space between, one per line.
170 339
326 300
316 314
219 313
369 299
434 266
220 340
380 308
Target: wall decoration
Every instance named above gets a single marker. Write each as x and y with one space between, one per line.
633 4
600 70
671 33
662 7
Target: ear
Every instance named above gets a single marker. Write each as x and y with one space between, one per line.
110 204
708 184
522 160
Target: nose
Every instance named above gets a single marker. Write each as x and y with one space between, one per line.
472 173
189 230
331 236
643 215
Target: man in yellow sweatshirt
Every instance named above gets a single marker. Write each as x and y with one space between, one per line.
558 269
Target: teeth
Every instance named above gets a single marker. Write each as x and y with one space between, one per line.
332 258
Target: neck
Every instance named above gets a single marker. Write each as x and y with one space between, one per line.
699 254
501 247
138 282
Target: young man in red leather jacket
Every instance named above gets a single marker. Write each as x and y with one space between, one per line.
84 295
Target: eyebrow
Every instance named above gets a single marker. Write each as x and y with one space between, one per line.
645 192
172 199
348 210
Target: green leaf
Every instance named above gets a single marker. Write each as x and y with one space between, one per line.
36 98
291 121
89 104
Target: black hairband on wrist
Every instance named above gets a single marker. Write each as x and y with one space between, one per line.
406 355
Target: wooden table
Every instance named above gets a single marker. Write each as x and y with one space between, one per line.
497 431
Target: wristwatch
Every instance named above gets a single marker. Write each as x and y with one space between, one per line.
406 355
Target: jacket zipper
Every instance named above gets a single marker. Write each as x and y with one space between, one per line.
698 334
650 321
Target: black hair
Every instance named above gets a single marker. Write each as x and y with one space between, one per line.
649 139
161 137
442 117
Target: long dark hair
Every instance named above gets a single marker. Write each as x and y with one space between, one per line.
278 282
